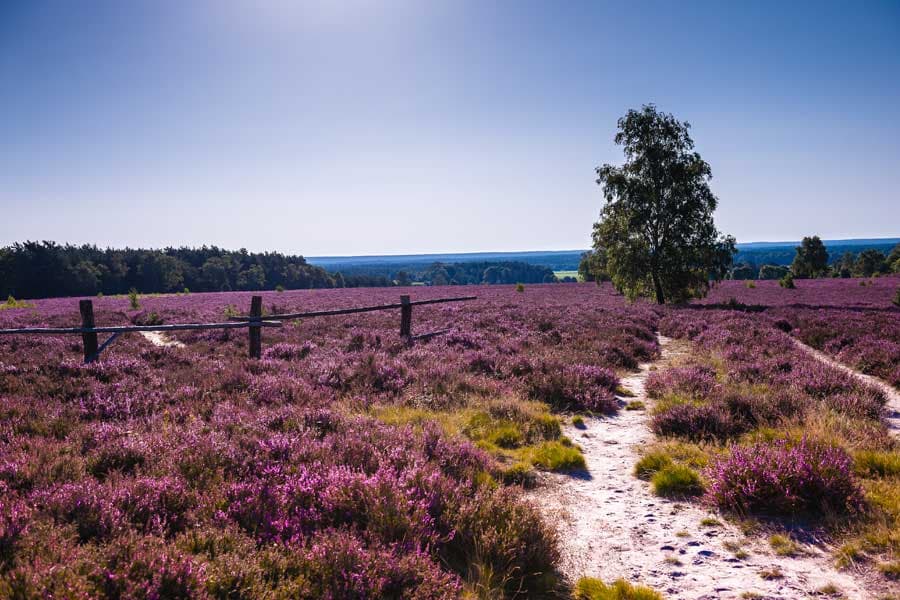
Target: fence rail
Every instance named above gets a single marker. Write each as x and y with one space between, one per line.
254 322
348 311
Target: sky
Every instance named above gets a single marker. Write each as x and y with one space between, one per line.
352 127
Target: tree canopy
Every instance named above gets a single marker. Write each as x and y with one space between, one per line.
657 227
811 259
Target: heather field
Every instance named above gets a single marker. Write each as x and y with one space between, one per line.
349 464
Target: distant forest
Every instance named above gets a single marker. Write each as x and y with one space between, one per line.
48 269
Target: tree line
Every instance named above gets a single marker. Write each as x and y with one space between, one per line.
812 260
47 269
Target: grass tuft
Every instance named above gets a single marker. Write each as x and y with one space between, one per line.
677 480
555 456
589 588
650 464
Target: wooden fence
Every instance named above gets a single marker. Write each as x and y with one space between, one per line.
253 322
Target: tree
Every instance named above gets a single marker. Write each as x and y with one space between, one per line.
844 267
657 225
592 266
893 260
811 259
869 262
772 272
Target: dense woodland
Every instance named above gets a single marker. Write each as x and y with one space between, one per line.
48 269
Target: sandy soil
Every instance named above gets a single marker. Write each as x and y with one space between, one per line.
892 407
158 338
613 526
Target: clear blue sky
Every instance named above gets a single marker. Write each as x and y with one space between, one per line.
364 127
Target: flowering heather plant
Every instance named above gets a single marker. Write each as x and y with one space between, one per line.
575 387
693 382
785 479
698 422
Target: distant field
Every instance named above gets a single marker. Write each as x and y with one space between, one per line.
561 274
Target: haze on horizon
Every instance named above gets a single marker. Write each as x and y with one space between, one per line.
397 127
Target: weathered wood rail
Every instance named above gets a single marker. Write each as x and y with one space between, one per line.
254 322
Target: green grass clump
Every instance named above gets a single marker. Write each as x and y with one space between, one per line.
635 405
13 303
506 435
783 545
676 480
873 463
650 464
578 421
589 588
519 473
554 456
710 522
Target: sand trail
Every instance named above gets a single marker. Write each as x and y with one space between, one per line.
611 525
158 338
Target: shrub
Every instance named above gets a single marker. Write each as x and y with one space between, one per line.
133 299
697 423
589 588
778 478
896 299
695 382
676 480
520 287
574 387
279 288
787 282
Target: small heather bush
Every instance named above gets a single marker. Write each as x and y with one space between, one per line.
783 479
574 387
697 423
695 382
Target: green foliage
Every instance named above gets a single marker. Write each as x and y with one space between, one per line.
556 456
787 282
279 288
870 262
589 588
772 272
676 480
871 463
13 303
592 266
896 299
657 226
133 301
520 287
811 259
650 464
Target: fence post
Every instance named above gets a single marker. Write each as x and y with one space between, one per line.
89 340
405 317
255 330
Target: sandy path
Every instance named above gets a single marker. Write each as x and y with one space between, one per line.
892 407
613 526
160 339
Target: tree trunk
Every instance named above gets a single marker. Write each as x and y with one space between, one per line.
657 287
